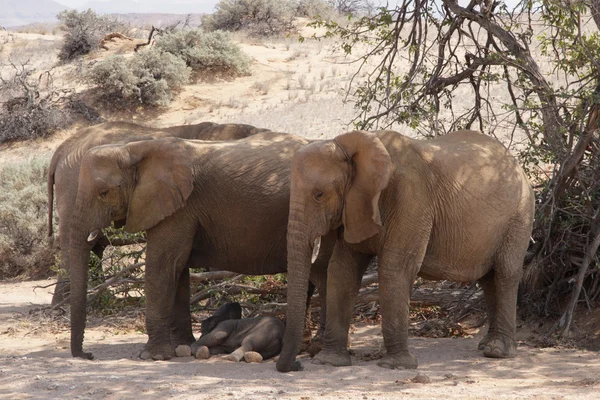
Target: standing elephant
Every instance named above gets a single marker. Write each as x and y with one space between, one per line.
457 207
63 173
224 205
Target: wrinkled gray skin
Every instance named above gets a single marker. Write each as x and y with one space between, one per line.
224 205
457 207
223 313
226 332
63 173
262 335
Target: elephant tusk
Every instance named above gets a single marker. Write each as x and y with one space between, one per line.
93 235
316 248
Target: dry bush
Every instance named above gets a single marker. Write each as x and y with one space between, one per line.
148 78
312 8
257 17
84 31
211 52
24 246
30 106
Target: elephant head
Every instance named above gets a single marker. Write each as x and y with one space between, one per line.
137 182
333 183
226 311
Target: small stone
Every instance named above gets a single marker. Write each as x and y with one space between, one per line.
183 351
421 378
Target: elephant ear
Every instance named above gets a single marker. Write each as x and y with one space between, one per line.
372 167
163 181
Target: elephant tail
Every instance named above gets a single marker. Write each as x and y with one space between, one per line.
50 188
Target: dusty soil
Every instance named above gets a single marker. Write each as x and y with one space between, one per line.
35 363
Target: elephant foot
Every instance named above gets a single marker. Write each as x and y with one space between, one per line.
316 345
484 342
252 357
498 347
325 357
183 350
296 366
202 353
157 353
403 360
83 354
182 340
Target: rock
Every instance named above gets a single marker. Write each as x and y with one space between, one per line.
421 378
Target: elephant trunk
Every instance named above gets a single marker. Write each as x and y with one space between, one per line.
79 257
299 255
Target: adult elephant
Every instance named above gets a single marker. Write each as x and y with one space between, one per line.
63 173
457 207
222 204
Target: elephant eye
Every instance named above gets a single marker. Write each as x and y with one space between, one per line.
103 194
318 195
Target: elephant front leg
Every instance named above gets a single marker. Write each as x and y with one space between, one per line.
166 258
181 324
397 272
211 342
345 272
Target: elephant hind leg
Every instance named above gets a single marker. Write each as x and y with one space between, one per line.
248 345
501 296
489 292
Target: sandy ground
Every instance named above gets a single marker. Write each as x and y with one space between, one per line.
35 364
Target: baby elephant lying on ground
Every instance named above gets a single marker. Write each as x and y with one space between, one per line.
253 339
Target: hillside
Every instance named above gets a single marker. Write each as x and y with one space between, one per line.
23 12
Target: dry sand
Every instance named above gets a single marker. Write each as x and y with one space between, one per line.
35 364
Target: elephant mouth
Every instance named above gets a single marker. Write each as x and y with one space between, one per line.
315 249
93 235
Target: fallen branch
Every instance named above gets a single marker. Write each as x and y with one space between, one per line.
137 46
94 292
210 276
206 293
110 37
